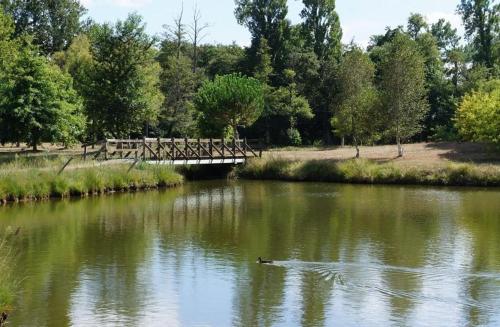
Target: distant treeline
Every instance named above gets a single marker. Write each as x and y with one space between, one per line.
67 79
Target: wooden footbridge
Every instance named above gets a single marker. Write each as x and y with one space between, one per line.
174 151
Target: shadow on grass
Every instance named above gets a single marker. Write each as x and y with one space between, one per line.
467 152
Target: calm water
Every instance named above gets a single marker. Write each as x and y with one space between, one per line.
345 256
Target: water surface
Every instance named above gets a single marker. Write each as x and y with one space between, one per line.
344 255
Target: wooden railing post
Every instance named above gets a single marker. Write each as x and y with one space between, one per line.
85 152
199 148
106 149
172 146
159 148
223 147
144 148
245 146
186 148
234 148
211 148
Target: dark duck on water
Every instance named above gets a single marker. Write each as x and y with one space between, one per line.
260 261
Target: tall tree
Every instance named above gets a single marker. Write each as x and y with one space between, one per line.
53 23
196 34
39 103
231 100
403 87
178 83
481 19
266 19
357 113
416 25
124 79
321 28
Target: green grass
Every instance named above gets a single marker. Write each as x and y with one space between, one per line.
369 172
32 184
7 280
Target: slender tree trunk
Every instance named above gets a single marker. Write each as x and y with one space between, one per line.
235 131
400 146
356 145
342 141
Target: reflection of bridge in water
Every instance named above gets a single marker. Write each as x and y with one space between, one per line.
174 151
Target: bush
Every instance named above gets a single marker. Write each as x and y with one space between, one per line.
478 117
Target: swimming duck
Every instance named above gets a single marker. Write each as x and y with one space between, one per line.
260 261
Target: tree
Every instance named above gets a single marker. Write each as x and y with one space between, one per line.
481 20
266 19
196 35
124 80
403 87
40 103
478 116
321 28
231 100
416 24
286 102
178 83
53 23
357 113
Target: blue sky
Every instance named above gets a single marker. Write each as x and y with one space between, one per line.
359 18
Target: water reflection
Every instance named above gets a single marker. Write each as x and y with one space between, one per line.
346 255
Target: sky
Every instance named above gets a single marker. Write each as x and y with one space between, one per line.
359 18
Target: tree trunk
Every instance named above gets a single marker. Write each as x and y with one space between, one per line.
236 134
356 145
342 142
400 146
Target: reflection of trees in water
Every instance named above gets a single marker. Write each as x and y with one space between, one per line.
104 243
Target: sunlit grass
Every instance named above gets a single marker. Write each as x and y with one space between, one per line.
369 172
39 184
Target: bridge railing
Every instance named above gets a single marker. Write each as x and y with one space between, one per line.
172 149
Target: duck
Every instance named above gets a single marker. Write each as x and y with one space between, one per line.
260 261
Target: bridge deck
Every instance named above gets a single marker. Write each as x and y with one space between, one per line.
177 151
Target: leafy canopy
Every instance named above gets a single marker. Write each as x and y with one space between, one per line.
231 100
478 116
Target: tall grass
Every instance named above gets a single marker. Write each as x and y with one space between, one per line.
40 184
369 172
7 279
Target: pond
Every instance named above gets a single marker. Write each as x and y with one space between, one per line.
344 255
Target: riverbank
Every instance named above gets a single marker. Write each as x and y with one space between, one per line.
364 171
34 184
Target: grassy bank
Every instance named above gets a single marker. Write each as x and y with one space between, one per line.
369 172
30 183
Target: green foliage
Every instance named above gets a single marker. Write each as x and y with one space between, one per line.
481 21
123 92
230 100
358 109
321 28
368 172
179 82
403 87
53 24
270 24
478 116
39 103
